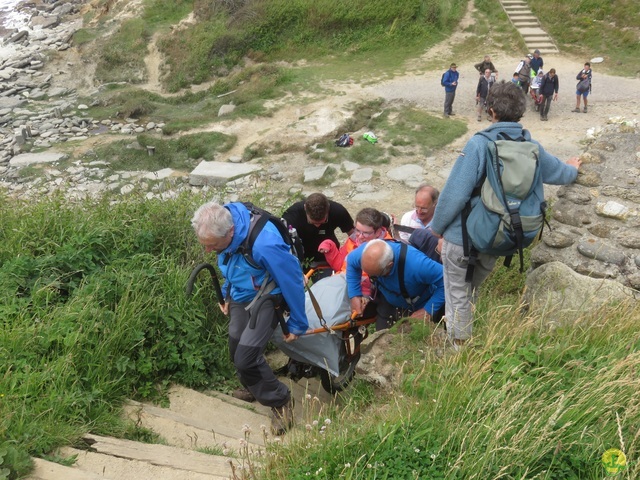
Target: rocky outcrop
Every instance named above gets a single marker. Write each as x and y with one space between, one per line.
595 223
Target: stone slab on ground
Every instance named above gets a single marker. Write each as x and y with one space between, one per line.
25 159
219 173
162 174
407 173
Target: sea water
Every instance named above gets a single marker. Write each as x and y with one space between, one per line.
9 18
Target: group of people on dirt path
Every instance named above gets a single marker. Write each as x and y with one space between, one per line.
425 278
528 75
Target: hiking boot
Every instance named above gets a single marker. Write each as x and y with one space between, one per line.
243 394
282 418
584 110
479 118
576 110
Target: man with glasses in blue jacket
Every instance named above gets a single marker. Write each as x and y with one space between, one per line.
257 285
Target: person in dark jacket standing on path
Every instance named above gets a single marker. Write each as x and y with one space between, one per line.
549 90
484 84
450 83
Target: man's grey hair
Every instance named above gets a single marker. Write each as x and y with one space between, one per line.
212 220
387 252
433 191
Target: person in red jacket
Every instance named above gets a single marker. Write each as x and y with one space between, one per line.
369 225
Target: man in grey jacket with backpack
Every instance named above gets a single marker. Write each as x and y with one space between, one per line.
506 103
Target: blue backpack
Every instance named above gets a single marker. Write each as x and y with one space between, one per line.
511 210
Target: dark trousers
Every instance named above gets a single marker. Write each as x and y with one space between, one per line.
449 97
246 346
524 86
546 105
387 314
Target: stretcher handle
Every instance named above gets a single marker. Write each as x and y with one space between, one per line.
214 279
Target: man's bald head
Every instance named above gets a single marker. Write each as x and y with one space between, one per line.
377 258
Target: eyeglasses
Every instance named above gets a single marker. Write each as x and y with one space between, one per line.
422 209
360 233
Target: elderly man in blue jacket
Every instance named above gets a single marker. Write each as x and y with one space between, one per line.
506 103
255 294
404 286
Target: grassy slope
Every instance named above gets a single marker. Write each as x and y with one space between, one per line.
588 28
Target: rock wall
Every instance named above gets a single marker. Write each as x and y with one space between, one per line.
595 223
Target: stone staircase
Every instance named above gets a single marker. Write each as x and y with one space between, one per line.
528 26
208 437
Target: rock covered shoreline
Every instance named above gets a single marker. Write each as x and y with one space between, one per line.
36 113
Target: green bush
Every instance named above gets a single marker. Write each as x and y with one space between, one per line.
93 309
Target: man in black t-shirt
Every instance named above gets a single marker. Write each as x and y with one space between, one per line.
316 219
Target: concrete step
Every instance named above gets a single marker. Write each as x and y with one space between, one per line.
547 49
522 16
540 36
528 26
511 13
129 460
196 420
524 23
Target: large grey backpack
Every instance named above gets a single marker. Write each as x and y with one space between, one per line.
511 210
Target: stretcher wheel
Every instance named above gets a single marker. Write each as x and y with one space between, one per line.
347 365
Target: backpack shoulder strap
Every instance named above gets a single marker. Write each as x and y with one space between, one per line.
401 264
258 221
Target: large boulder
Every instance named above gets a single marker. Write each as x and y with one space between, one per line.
555 286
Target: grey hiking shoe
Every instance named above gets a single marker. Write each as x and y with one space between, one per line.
243 394
281 418
576 110
584 110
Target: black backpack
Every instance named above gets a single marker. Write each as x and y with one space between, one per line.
259 218
442 79
345 140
